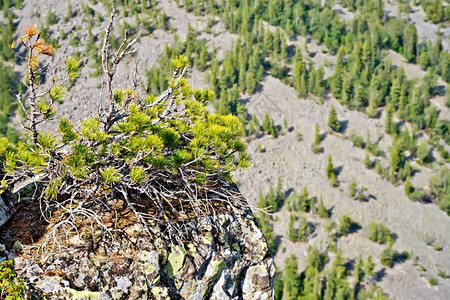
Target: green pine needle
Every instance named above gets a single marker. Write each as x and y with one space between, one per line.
73 65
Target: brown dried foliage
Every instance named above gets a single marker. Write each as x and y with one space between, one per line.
42 48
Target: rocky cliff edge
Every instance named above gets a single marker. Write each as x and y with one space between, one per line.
226 257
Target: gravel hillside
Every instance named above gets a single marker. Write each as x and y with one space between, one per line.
287 157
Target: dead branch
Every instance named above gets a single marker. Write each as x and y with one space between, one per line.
125 48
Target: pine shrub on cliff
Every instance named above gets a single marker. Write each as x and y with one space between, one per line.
164 158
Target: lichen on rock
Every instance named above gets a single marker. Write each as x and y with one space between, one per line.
227 262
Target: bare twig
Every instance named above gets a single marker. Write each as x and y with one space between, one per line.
32 97
110 71
106 69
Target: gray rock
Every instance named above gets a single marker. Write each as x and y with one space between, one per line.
222 262
51 285
6 210
35 270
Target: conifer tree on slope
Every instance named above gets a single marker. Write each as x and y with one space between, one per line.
333 121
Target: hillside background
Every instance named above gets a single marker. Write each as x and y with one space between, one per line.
282 66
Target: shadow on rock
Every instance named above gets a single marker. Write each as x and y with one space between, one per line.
343 126
26 226
380 274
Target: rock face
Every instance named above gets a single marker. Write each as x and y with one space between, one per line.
6 210
228 260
